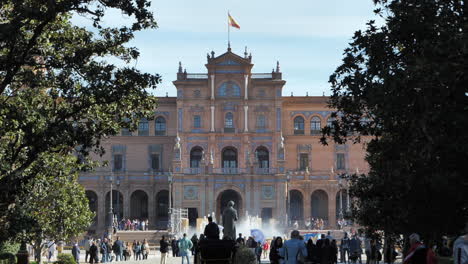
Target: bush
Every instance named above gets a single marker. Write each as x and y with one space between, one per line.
8 258
8 247
65 259
245 256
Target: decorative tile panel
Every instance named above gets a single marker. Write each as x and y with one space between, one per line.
268 192
262 138
190 192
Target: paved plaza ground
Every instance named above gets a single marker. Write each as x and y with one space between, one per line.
155 258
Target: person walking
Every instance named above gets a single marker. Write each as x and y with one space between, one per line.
354 248
145 249
103 250
110 257
51 248
258 251
334 252
86 246
185 245
194 240
137 250
345 248
266 248
93 251
293 248
76 252
419 253
163 248
275 257
326 254
118 248
174 247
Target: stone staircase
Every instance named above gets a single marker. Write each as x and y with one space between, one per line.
153 236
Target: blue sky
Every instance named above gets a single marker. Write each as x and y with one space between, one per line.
307 37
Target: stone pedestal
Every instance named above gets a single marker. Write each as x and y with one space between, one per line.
23 254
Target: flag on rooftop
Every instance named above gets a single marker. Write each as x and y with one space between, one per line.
233 22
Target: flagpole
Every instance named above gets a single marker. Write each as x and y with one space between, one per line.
229 33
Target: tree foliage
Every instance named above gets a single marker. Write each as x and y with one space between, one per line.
59 94
402 90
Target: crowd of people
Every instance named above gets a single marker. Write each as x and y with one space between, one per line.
131 225
106 250
309 224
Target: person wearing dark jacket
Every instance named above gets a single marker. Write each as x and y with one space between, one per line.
118 249
163 248
194 240
274 251
211 229
93 250
326 250
312 254
174 247
334 251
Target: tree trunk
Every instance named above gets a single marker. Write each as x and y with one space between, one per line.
38 250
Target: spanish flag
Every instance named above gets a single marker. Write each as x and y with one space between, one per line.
233 22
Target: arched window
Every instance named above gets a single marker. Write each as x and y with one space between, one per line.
229 89
229 158
160 126
299 125
262 157
195 157
229 122
143 127
315 125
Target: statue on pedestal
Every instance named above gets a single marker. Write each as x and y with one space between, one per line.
229 218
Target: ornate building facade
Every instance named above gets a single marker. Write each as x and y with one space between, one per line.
228 135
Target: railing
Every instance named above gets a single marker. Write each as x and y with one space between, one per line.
193 170
228 170
262 76
197 76
265 170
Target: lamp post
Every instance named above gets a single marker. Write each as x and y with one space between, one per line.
117 207
111 215
169 179
340 185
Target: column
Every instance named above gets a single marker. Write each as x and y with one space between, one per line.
212 118
256 200
246 119
332 211
126 203
101 211
246 83
151 211
212 87
307 207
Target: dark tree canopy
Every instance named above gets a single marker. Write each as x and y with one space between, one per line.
59 95
402 90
